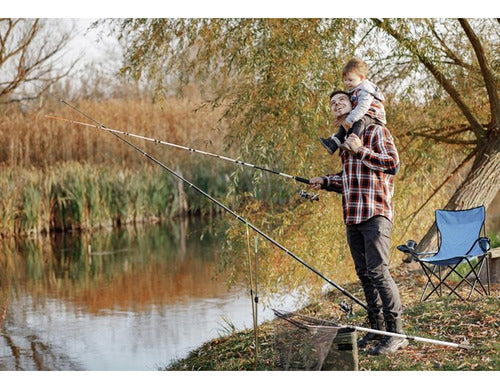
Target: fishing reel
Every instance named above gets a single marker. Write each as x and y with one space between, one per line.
309 196
346 308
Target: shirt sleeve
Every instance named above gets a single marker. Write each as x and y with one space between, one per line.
379 152
364 101
333 182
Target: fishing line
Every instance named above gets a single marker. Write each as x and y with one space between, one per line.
224 207
253 294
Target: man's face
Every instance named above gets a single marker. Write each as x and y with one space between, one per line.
340 104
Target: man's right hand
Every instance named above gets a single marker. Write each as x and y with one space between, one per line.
316 183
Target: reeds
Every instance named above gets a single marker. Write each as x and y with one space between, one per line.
60 177
71 196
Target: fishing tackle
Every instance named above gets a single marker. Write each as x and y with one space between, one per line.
332 326
224 207
309 196
120 132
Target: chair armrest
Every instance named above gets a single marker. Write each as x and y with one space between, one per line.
409 248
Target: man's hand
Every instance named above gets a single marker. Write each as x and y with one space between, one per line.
353 142
316 182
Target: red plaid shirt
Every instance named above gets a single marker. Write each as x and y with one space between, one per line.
366 180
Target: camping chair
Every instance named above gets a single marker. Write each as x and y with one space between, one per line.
461 255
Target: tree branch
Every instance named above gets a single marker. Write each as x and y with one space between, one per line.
411 46
489 78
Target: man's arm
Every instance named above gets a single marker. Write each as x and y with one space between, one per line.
329 182
381 154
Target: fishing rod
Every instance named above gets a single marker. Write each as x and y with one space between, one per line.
121 132
224 207
330 325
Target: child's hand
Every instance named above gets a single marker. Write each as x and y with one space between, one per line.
346 125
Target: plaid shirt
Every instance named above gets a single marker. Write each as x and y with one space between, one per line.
366 180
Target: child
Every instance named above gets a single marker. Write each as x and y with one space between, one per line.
367 101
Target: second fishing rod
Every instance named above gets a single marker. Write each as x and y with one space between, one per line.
185 148
228 210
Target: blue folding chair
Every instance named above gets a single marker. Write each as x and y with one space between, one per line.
461 255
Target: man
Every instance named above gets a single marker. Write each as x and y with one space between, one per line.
366 185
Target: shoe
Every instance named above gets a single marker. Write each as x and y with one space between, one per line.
391 344
376 323
329 144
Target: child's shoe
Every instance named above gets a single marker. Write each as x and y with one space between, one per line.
330 145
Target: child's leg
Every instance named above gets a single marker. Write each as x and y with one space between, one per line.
340 135
359 127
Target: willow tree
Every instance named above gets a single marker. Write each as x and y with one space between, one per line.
462 58
31 53
272 77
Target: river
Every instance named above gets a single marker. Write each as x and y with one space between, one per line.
132 300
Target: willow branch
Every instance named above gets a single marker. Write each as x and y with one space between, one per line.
452 175
411 46
489 78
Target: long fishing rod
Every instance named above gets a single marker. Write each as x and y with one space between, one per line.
286 316
228 210
121 132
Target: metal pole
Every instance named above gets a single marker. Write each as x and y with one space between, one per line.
285 315
153 159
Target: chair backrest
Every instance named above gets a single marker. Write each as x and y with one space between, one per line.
459 231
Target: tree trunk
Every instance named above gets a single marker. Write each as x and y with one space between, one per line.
479 187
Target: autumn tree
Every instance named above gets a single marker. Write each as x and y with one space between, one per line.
462 59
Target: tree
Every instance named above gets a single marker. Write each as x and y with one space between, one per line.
30 58
466 66
274 75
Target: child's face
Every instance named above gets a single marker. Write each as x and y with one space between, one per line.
352 80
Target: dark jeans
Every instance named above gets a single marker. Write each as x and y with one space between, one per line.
369 243
357 128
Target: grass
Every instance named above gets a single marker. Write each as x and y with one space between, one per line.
475 321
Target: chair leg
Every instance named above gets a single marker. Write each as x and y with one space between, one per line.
437 287
480 264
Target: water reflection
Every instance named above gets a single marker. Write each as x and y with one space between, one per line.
126 300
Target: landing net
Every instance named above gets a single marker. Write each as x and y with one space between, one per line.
306 343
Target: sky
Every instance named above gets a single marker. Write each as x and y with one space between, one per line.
254 8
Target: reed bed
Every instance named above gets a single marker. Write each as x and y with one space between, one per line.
56 176
71 196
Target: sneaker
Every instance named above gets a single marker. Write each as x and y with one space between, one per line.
329 144
389 345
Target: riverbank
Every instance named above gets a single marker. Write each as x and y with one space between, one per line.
475 322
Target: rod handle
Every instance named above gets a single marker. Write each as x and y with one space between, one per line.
300 179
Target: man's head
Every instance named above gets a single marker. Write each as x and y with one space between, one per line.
340 103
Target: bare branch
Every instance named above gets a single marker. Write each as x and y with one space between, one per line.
410 45
489 77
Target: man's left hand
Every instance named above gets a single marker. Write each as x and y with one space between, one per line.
353 142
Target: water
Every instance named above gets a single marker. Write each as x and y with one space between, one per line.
137 301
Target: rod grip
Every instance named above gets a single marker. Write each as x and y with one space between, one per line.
300 179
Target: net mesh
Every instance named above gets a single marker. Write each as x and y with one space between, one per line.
306 343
